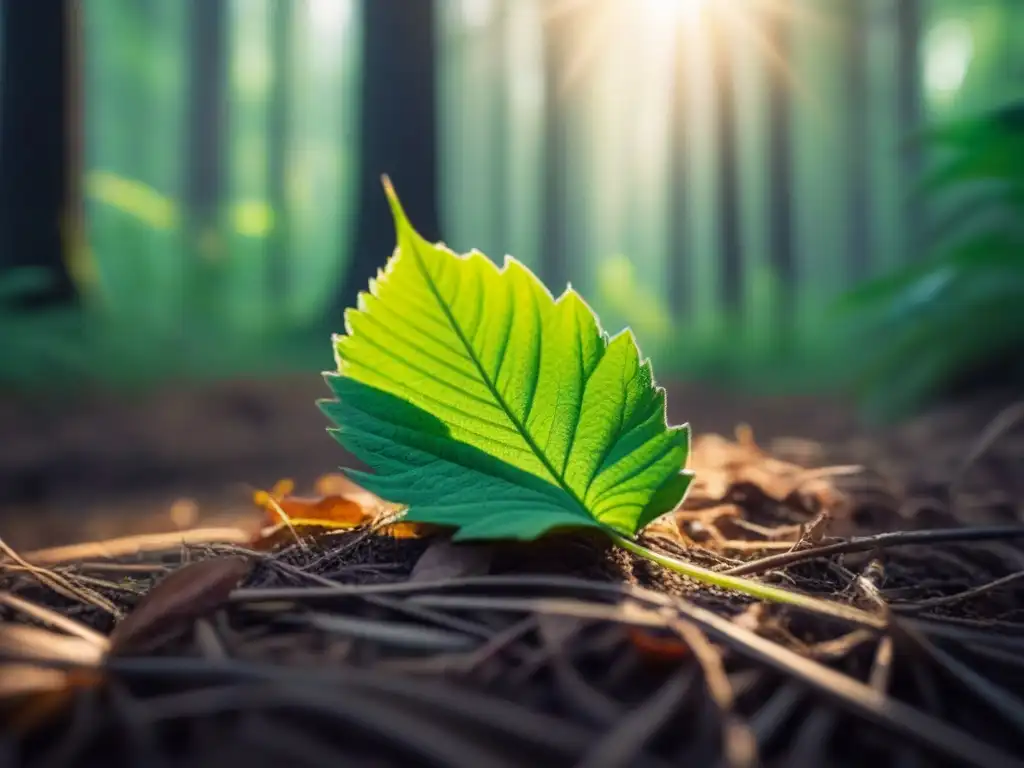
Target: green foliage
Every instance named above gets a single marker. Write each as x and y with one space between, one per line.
44 348
485 404
19 283
32 341
929 327
744 349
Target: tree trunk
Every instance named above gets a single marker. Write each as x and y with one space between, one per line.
728 170
857 20
282 16
554 264
678 275
398 132
34 150
780 169
207 114
502 130
909 17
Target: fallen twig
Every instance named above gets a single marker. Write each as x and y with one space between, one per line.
879 541
135 545
967 594
56 620
61 584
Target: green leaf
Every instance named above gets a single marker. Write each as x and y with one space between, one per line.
483 403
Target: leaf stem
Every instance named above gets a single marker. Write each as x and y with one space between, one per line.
750 587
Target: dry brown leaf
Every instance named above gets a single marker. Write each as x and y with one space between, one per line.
735 477
720 465
279 504
288 517
444 559
187 594
288 532
323 509
339 505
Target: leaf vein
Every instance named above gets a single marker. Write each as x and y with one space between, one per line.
426 353
441 403
491 385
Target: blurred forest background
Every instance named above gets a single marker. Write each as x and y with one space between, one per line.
772 193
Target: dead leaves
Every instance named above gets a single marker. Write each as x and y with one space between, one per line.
721 466
744 499
33 690
444 559
280 505
338 505
176 601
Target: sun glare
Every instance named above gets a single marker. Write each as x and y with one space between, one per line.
653 24
675 10
329 17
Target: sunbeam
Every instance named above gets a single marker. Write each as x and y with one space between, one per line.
598 24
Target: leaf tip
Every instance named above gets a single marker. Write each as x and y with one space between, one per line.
397 211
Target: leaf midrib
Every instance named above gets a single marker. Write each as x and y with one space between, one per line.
520 427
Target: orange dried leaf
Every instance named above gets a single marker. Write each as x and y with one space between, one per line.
657 648
280 505
409 530
326 509
340 505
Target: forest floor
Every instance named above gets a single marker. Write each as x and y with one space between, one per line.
113 465
348 650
